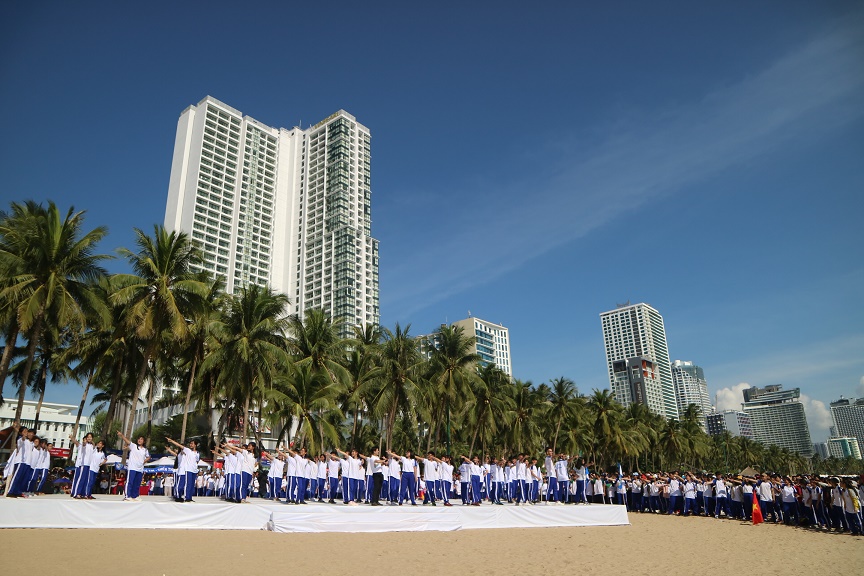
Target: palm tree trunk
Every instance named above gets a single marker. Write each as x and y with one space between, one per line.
35 334
43 377
81 410
555 440
8 352
477 429
392 421
188 398
133 402
150 387
245 418
354 429
112 405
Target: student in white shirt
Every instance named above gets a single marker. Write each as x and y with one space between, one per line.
395 472
274 476
321 485
138 456
430 475
82 469
333 463
562 479
97 458
551 476
476 472
40 474
18 481
354 467
410 473
373 471
189 469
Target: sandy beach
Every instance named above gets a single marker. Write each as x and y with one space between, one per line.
652 543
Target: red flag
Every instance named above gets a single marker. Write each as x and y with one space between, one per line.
757 512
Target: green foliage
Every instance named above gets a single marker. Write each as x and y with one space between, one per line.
241 365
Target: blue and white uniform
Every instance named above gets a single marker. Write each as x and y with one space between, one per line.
138 455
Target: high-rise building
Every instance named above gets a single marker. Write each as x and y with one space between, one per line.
778 418
735 422
848 417
492 342
844 447
637 380
821 448
690 387
636 331
287 208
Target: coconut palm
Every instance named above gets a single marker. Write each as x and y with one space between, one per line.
200 330
400 359
361 363
452 363
251 350
52 277
489 404
159 298
563 404
314 340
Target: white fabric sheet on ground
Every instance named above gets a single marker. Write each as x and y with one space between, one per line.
213 514
415 519
112 512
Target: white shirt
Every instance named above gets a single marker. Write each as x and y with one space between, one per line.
561 470
322 470
137 456
720 489
446 472
674 487
408 465
277 468
190 461
395 470
96 459
373 465
355 468
332 468
787 492
581 472
549 466
765 492
430 469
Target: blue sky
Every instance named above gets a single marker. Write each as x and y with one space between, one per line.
534 164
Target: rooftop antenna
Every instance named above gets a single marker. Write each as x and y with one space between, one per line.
469 314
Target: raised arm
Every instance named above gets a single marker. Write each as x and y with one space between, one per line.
393 454
174 442
123 437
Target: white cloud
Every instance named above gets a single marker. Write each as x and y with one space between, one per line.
814 89
818 417
730 398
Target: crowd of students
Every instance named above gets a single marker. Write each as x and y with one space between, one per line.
805 501
352 478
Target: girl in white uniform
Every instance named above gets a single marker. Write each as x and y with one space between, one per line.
138 456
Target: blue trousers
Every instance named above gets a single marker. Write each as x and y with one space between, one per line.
464 485
394 489
552 489
334 488
445 490
673 503
722 504
475 489
21 479
429 495
78 482
37 480
580 491
853 521
409 487
790 512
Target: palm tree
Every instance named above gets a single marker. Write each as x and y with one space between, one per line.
562 404
452 363
400 358
305 399
361 362
605 411
160 297
528 405
314 340
52 277
199 334
252 348
490 403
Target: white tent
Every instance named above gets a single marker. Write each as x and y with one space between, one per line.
164 461
113 459
202 464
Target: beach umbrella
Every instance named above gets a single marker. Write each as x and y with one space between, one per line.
62 481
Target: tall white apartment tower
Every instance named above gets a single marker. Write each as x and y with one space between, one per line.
690 387
491 342
286 208
636 331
